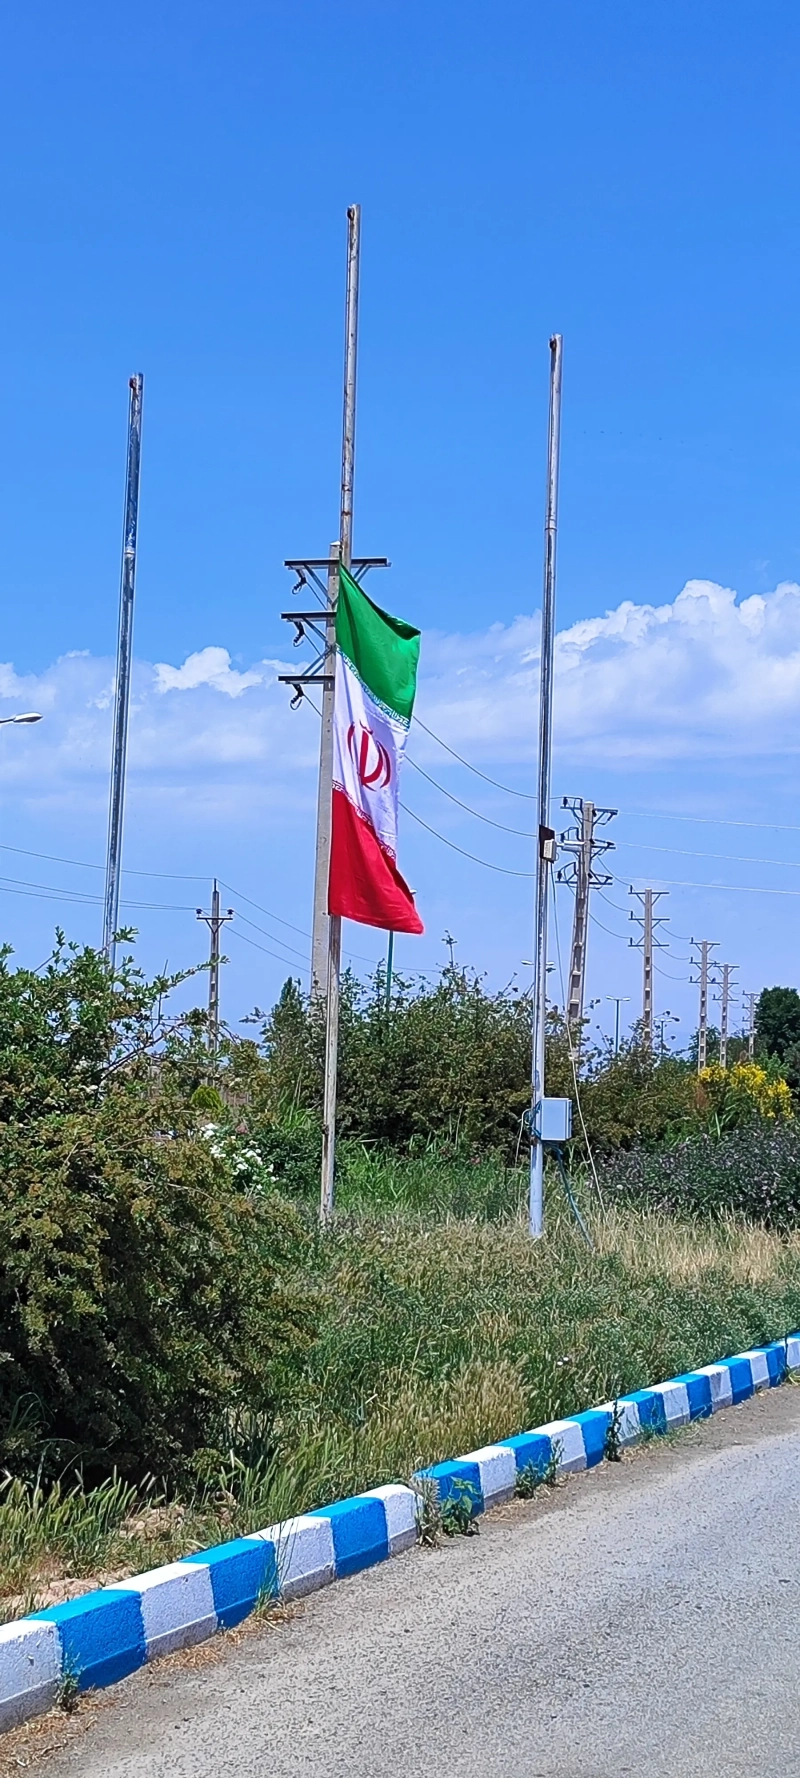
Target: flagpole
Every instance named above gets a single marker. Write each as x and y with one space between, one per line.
116 807
345 555
536 1204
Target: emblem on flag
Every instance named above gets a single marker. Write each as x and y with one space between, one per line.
376 678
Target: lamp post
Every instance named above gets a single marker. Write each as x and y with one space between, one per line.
670 1018
617 1000
25 716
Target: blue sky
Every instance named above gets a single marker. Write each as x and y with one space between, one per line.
174 186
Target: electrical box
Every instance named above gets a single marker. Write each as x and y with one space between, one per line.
553 1119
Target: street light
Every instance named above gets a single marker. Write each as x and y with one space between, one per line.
25 716
668 1017
618 1000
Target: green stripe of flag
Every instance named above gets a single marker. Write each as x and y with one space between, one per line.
383 650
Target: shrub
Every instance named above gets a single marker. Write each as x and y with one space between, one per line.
753 1171
145 1291
738 1095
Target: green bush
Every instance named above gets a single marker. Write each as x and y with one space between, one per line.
753 1171
145 1293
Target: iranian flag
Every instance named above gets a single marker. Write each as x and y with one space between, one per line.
376 678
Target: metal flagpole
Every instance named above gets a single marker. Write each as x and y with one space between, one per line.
389 962
345 555
536 1205
124 657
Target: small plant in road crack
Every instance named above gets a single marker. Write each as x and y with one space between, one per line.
429 1512
538 1475
458 1509
68 1689
614 1443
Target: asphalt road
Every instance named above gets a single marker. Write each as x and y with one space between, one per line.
644 1619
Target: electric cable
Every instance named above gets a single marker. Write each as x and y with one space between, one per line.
570 1199
721 857
501 868
522 833
257 947
528 795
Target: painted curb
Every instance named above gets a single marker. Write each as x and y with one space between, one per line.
103 1636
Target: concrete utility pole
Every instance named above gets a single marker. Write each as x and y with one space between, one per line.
546 847
647 944
215 922
752 1000
725 997
617 1000
705 947
322 861
122 693
580 873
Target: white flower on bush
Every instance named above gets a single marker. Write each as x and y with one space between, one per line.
244 1164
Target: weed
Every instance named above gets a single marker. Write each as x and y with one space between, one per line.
538 1475
430 1527
614 1446
69 1687
457 1511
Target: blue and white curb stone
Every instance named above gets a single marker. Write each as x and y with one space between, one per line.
103 1636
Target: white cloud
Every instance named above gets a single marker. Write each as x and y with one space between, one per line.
705 677
210 666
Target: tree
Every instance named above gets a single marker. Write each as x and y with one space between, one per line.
778 1020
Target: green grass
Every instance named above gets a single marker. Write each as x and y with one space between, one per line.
438 1330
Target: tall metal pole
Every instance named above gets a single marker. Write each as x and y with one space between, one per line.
124 658
345 552
215 922
536 1197
617 1000
389 962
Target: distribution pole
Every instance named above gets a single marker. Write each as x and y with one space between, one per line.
321 918
116 808
544 850
580 923
725 1001
751 999
581 842
215 922
618 1000
345 555
647 944
705 947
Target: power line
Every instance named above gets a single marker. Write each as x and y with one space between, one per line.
724 857
356 955
731 888
257 947
503 870
527 795
522 833
265 934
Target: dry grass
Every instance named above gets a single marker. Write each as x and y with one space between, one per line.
685 1252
